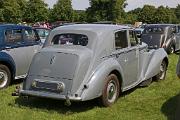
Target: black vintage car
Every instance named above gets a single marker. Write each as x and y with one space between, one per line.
166 36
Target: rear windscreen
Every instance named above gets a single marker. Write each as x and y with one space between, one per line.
153 30
70 39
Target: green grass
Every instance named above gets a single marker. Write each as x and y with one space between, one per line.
159 101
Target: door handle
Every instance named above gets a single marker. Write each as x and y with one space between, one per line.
7 47
126 60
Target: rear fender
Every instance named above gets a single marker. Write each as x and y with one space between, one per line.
7 60
97 80
157 56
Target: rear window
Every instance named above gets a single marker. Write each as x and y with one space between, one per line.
70 39
152 30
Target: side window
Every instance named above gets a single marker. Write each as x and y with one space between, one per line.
13 36
30 35
132 38
121 40
178 29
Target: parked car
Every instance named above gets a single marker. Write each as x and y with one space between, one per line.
87 61
166 36
18 44
139 30
42 32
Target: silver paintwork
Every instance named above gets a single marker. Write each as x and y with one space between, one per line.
22 57
83 69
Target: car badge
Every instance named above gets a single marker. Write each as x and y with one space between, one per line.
52 60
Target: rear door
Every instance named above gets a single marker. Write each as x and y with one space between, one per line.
32 43
127 54
15 47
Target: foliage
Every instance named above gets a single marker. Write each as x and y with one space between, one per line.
177 12
14 11
79 16
36 10
10 11
164 15
105 10
147 14
62 11
150 14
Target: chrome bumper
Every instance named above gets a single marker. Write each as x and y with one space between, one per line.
48 95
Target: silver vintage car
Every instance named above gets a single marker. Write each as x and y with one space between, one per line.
87 61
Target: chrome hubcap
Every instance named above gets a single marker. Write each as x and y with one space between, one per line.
172 50
162 70
3 79
111 91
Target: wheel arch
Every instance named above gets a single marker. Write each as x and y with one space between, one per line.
119 76
97 79
166 60
10 66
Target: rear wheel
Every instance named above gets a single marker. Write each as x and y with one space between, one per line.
110 91
5 76
162 73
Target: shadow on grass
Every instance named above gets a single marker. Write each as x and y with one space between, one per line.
55 105
171 108
51 105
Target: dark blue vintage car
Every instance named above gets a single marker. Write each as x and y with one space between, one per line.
18 44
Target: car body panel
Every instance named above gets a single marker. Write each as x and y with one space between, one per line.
18 53
78 72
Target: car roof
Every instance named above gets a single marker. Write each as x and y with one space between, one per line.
92 27
13 25
160 25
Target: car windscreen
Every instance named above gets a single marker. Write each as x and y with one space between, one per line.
43 32
70 39
153 30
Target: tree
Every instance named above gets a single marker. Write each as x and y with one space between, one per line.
62 11
105 10
79 16
147 14
22 4
36 10
164 15
10 11
177 12
132 16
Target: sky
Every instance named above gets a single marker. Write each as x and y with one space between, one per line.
132 4
77 4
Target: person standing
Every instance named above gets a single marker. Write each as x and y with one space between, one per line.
178 68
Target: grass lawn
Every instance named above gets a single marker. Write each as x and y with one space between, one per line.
159 101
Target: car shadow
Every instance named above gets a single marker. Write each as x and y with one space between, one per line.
59 105
171 108
55 105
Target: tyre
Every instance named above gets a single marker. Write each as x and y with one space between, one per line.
5 76
171 49
162 74
110 91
